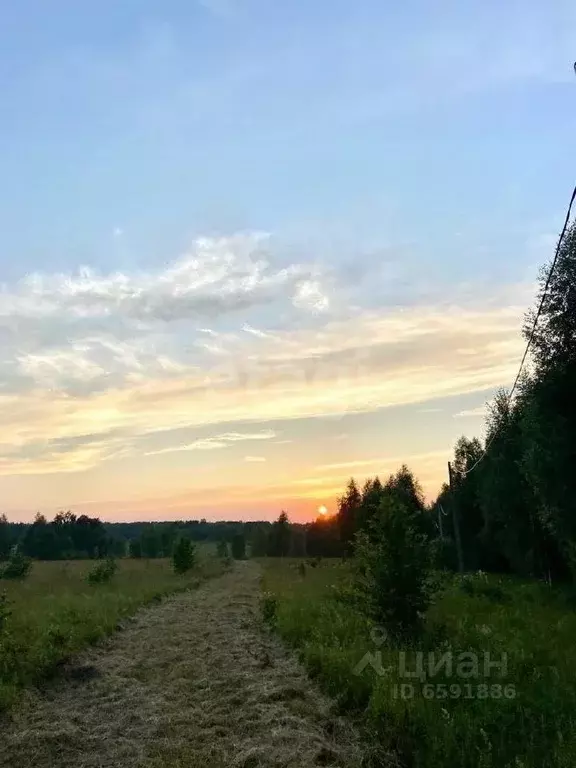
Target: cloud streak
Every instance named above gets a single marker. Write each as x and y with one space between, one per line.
218 441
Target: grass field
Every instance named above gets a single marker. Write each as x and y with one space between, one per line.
524 719
55 612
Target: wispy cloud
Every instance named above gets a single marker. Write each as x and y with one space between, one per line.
472 412
257 332
218 441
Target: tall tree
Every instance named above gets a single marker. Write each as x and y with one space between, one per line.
550 416
512 538
406 489
348 513
372 496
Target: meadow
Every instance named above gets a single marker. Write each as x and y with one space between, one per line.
520 714
55 612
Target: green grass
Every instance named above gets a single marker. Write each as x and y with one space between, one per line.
532 624
55 612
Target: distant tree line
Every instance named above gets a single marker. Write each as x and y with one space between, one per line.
69 536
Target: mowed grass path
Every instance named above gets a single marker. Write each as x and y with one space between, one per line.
55 612
469 727
195 681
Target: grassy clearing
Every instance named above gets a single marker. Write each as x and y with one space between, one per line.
55 612
192 682
472 724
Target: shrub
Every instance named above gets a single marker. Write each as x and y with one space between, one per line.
103 572
17 567
184 555
393 570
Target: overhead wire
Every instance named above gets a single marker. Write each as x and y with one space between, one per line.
534 325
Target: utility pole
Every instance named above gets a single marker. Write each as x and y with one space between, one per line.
441 513
455 521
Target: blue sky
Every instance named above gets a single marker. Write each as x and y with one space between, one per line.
190 186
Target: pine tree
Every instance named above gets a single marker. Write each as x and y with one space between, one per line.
393 570
372 495
184 555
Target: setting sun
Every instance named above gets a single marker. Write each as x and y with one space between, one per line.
322 510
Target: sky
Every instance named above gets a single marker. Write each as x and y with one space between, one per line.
250 248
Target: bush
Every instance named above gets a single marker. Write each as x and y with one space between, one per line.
17 567
184 555
393 570
103 572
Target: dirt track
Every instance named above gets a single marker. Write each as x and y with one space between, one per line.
192 682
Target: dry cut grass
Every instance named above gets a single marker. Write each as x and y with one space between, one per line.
193 681
55 613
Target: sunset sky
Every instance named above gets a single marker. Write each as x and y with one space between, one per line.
250 248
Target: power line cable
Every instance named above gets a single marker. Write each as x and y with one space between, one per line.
533 331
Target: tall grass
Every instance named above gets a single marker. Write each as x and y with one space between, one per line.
469 726
56 612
